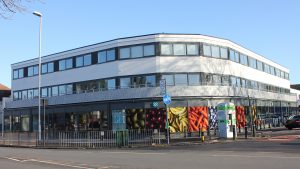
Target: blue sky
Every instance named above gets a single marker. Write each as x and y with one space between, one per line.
269 27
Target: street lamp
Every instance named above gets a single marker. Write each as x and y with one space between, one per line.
40 60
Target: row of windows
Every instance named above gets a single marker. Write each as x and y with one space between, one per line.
177 49
137 51
179 79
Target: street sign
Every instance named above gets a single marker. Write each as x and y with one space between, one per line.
162 85
167 99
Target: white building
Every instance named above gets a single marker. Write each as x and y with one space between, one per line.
84 86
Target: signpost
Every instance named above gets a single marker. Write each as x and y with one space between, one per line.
167 101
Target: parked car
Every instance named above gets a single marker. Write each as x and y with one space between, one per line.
293 122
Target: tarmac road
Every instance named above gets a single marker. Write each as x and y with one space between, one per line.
277 152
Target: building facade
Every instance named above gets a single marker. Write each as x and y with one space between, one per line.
87 88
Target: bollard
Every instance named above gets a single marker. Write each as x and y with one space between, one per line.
253 130
234 132
246 132
202 134
208 133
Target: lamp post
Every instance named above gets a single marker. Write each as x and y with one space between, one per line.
40 60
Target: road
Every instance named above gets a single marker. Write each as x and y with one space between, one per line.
278 152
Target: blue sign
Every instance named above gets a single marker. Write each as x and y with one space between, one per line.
167 99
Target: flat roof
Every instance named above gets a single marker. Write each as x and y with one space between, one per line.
129 37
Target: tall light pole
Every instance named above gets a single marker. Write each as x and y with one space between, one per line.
40 70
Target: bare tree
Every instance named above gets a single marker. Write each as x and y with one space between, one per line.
10 7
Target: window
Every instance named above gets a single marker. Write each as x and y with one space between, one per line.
69 63
62 90
15 74
151 81
30 71
215 51
225 80
16 96
102 57
166 49
207 79
243 82
21 73
224 53
217 80
260 66
62 64
277 72
35 93
49 91
194 79
50 67
181 80
179 49
79 61
20 95
237 57
231 55
111 55
272 70
124 53
238 82
137 51
30 94
252 63
244 59
125 83
44 68
206 50
111 84
44 92
192 49
149 50
286 76
35 70
24 94
87 60
138 81
169 79
282 74
54 91
69 89
233 81
267 68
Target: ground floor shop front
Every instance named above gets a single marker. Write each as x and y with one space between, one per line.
184 115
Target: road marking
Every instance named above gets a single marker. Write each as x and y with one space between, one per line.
252 156
47 162
127 152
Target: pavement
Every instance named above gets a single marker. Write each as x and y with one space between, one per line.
276 151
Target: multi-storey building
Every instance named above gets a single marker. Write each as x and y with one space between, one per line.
85 86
